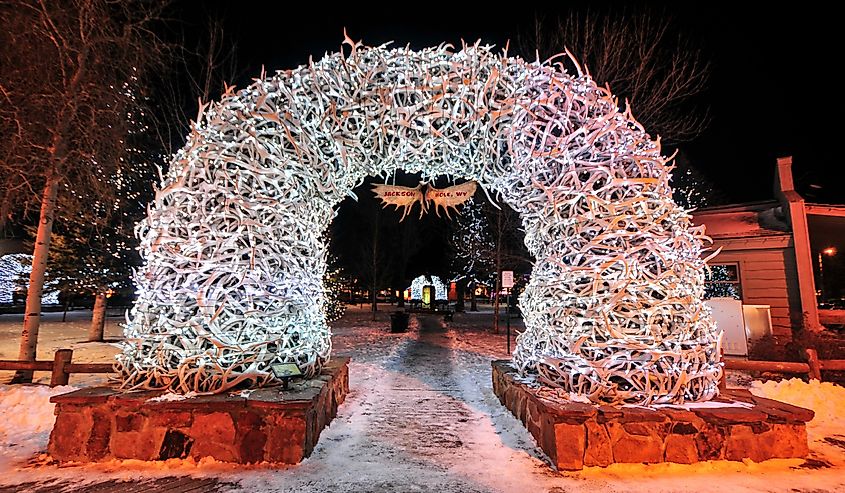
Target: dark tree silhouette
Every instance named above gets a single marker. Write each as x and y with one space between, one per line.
644 58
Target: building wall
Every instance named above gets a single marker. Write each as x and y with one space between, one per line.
766 279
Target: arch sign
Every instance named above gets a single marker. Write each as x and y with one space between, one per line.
443 198
233 243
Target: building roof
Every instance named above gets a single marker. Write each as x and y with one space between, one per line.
825 209
748 220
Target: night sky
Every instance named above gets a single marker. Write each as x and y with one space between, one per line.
772 90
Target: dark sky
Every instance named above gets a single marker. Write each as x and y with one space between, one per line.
772 89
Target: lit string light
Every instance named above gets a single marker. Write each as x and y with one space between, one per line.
14 274
233 279
334 284
440 289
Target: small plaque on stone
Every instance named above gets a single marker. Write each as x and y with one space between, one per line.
285 370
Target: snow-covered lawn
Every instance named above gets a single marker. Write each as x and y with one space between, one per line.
55 334
421 416
26 418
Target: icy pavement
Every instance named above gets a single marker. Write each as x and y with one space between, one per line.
419 421
421 416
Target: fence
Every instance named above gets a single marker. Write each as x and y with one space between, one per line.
813 367
60 368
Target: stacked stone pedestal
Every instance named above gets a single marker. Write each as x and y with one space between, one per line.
575 434
265 425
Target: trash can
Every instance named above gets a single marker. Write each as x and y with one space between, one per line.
398 321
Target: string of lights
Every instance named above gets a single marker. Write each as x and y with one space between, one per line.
14 276
233 248
441 292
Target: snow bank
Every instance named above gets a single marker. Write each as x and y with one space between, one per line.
26 419
825 398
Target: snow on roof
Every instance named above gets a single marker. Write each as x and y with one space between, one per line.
750 220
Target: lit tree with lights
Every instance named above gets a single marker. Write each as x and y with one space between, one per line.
473 249
487 240
691 189
71 72
721 283
14 271
93 253
333 283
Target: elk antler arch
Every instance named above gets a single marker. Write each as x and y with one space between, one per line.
234 256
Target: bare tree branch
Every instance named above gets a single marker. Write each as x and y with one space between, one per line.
643 60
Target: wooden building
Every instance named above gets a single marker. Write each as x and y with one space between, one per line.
767 254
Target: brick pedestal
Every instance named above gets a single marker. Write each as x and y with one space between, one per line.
575 434
100 423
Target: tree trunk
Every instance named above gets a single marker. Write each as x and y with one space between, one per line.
400 303
375 266
58 154
460 288
374 303
98 319
32 318
498 272
496 305
473 300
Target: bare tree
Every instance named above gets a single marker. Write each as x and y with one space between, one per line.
509 252
643 58
404 242
71 72
204 64
487 239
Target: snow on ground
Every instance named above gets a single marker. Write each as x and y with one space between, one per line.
826 432
55 334
26 420
421 416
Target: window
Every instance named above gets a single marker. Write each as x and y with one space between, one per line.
723 282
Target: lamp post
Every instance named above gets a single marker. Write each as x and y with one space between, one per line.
829 251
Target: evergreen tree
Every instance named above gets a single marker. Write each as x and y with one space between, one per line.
473 250
334 282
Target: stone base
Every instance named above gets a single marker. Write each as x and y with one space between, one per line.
575 434
100 423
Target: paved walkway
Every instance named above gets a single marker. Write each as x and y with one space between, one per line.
417 419
174 484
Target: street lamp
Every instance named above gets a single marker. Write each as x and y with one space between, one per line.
829 251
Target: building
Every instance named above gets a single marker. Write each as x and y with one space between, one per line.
772 252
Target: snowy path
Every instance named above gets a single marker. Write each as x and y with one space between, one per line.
421 416
418 420
424 412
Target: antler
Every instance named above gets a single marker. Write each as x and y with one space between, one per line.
450 196
401 197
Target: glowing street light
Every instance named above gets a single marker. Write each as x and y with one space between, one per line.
830 252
